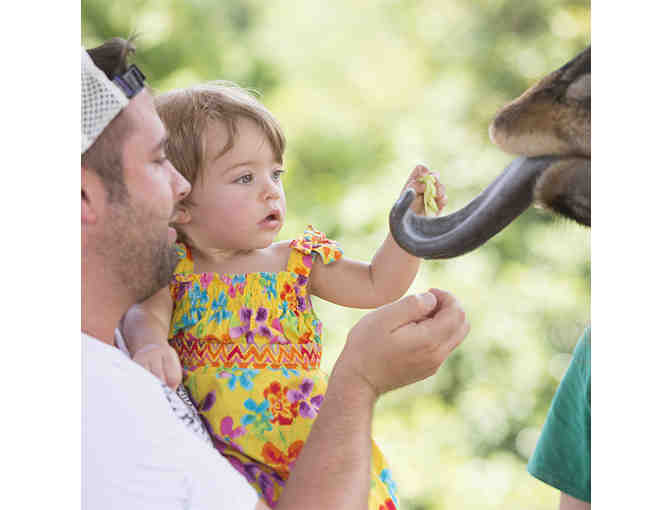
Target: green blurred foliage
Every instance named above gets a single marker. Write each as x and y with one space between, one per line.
365 90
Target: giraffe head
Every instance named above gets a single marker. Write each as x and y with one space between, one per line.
549 127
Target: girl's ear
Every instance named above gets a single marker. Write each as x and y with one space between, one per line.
183 215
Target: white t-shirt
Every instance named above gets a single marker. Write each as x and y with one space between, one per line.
137 453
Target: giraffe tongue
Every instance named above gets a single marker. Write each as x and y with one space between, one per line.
452 235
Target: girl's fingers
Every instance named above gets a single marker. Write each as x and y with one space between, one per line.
440 193
418 187
419 171
157 370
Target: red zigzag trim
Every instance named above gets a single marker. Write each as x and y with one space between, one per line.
196 353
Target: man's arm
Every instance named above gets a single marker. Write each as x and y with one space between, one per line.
333 470
396 345
567 502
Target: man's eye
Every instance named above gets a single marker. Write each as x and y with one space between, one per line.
245 179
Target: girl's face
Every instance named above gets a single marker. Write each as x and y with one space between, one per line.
239 204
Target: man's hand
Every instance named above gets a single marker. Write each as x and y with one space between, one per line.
403 342
162 361
395 345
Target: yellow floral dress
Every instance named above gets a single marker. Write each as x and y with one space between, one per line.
250 346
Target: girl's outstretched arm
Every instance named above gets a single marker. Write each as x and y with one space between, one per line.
390 273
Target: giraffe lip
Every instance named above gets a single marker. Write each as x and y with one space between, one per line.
508 196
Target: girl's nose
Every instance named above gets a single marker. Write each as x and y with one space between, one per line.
272 193
181 186
271 190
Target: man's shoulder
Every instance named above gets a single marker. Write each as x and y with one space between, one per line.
137 452
117 388
111 376
107 367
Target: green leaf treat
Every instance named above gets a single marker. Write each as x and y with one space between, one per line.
430 193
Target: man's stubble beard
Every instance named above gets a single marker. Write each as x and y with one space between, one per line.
141 257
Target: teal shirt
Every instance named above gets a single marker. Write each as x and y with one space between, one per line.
561 458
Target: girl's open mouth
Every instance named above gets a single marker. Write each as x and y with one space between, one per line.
273 220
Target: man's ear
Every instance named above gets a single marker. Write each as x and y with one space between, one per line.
93 196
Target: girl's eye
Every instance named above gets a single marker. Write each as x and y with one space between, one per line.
161 161
245 179
277 174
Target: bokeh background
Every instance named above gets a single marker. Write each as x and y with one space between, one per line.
365 90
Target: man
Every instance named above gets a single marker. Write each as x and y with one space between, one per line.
561 458
137 453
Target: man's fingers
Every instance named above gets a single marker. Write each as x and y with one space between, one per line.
419 307
444 324
409 309
454 340
445 300
435 338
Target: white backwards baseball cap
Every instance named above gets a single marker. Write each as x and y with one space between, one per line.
103 99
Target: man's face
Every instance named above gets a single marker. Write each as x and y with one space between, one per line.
139 242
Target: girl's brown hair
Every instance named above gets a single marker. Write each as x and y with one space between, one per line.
187 112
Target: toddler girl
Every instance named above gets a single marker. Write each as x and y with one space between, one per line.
238 309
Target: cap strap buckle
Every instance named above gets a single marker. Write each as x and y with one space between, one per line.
131 82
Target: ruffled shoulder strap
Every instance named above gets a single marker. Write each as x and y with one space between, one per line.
185 264
304 249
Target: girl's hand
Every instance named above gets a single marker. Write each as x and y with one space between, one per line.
162 361
418 205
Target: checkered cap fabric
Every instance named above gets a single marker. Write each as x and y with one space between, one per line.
102 100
